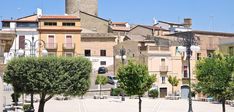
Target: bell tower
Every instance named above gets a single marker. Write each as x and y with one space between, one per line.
73 7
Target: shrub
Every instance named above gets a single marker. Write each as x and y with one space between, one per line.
116 91
26 106
153 93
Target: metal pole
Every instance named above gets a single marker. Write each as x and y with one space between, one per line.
32 52
122 53
188 58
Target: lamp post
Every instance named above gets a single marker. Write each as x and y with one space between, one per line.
122 56
32 50
189 44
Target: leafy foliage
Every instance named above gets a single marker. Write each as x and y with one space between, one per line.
173 81
49 76
116 91
102 80
135 79
215 77
153 93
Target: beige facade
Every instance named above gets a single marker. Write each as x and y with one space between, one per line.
61 34
98 47
163 59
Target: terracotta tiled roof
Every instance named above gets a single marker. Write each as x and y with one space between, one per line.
120 28
60 17
119 22
149 27
30 18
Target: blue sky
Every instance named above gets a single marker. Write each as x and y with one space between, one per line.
211 15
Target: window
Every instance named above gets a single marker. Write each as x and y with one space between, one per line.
210 53
6 24
163 78
103 63
30 25
185 72
198 56
50 23
69 24
21 42
163 60
231 50
87 52
102 52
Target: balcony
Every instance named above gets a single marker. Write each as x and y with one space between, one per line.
51 46
68 46
163 69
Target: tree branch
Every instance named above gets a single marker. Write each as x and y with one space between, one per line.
48 98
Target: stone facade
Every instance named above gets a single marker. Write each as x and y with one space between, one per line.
89 6
73 7
94 23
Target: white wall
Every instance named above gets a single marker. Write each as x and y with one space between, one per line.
96 61
15 47
1 94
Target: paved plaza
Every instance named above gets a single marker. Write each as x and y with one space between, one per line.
130 105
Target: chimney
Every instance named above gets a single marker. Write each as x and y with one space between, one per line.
187 22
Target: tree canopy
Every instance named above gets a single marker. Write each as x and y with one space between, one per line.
215 76
101 80
49 76
135 79
173 81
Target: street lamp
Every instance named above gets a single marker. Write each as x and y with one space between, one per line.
189 44
32 49
122 56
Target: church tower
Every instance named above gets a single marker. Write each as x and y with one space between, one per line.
73 7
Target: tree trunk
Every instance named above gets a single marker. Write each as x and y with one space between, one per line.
100 91
139 103
41 105
223 104
173 90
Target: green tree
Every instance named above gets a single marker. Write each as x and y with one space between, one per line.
49 76
215 77
101 80
174 82
135 79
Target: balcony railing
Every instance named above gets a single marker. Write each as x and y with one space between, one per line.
163 69
69 46
51 46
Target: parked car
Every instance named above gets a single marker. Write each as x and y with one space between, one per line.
102 70
112 79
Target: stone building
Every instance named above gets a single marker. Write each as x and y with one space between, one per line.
226 46
73 7
26 29
6 41
98 47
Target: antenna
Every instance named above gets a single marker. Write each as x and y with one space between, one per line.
211 25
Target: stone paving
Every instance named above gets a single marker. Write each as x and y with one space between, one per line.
130 105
